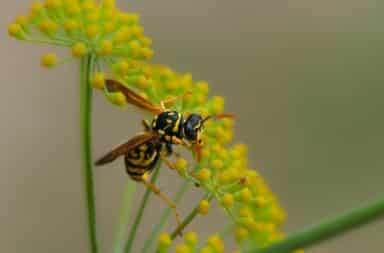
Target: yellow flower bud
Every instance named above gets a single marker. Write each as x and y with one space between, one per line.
216 243
108 3
91 31
245 195
143 82
224 177
172 85
79 49
181 164
36 7
109 26
70 25
118 98
88 5
22 20
48 60
217 104
206 250
241 233
204 174
147 53
228 123
73 8
123 67
47 26
260 201
203 207
14 30
217 164
182 248
191 238
106 47
203 87
245 212
164 240
52 4
98 80
146 41
227 200
93 17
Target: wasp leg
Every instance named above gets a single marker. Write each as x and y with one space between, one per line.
190 173
169 203
146 125
168 163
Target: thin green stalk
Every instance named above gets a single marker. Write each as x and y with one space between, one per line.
85 121
328 228
164 218
139 215
189 218
124 215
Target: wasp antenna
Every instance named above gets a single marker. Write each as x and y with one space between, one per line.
225 115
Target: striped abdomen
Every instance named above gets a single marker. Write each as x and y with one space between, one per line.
142 159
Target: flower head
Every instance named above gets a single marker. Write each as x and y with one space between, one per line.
86 27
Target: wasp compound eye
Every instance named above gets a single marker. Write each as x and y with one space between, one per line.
192 126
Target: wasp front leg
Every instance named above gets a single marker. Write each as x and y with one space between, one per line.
146 125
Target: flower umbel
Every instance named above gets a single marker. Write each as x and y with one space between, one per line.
86 27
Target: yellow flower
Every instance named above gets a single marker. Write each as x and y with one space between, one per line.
48 60
203 207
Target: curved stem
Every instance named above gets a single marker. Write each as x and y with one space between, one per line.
140 212
328 228
85 121
164 217
189 218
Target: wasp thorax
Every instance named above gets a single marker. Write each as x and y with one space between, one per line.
168 125
192 128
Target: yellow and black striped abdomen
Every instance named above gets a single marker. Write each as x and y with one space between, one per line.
142 159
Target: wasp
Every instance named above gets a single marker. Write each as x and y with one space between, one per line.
143 151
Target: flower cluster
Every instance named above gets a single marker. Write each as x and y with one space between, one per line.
86 27
120 50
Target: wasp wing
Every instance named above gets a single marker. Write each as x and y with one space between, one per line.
126 147
132 97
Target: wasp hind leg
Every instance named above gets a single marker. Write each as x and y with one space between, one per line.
164 198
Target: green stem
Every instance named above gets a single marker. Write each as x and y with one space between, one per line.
164 217
328 228
189 218
85 121
124 215
139 215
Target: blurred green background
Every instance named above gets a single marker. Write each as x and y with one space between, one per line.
304 77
